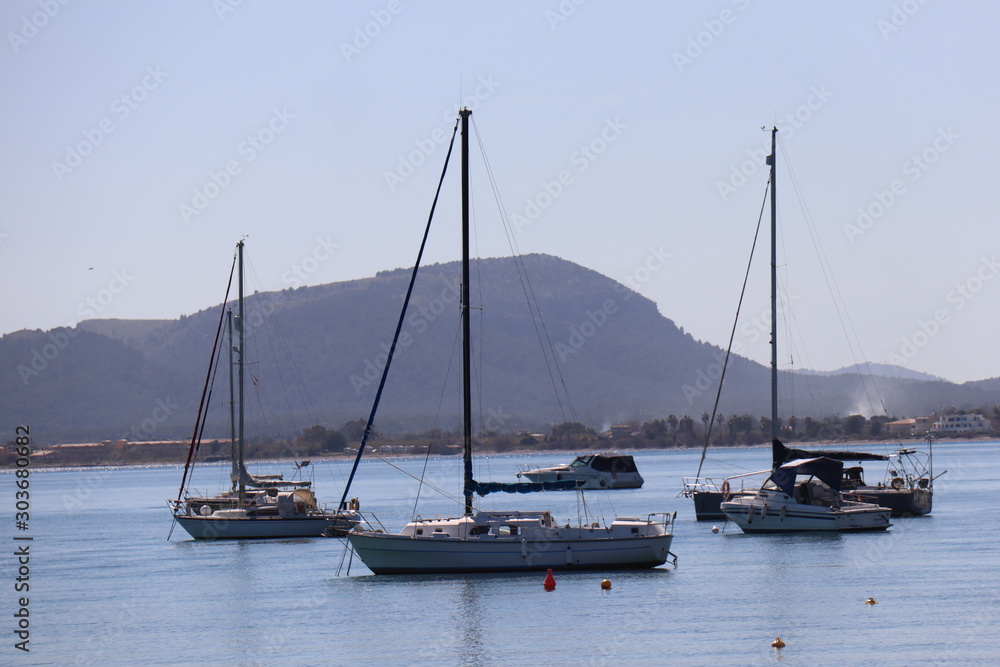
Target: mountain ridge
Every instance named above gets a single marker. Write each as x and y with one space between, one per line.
613 357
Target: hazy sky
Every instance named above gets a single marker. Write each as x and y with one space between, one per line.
142 140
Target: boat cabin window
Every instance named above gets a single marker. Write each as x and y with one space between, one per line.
506 531
581 461
479 530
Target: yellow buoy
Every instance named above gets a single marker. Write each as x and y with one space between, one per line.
777 643
871 601
606 585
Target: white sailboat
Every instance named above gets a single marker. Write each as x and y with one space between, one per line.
260 506
804 494
505 541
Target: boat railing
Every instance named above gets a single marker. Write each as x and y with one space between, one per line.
698 485
665 519
370 523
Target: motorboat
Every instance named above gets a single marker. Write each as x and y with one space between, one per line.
594 471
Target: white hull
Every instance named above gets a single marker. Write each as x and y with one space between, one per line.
776 513
595 471
590 481
459 546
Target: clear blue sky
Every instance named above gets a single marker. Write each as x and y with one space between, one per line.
117 115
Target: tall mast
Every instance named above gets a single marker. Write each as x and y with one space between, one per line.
466 339
774 289
232 403
239 370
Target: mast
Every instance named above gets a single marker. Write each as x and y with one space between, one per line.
232 404
239 376
466 339
774 289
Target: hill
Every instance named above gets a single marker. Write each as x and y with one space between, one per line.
881 370
317 354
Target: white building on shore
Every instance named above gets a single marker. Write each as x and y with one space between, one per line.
960 425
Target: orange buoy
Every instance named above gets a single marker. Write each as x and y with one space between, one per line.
777 643
606 585
871 601
550 581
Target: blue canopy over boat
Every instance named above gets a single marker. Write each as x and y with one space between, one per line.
486 488
828 471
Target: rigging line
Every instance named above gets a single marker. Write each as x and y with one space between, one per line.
204 392
423 473
544 341
479 378
835 293
444 493
399 323
266 307
447 372
732 333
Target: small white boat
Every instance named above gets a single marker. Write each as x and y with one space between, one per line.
804 495
594 471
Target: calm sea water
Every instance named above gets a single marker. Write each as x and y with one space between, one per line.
107 587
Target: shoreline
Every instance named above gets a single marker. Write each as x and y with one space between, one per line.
817 444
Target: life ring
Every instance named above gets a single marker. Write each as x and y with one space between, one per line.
897 483
725 490
354 504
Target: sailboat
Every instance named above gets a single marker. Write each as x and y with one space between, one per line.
256 506
505 541
804 494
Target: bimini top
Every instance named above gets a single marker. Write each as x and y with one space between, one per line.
828 471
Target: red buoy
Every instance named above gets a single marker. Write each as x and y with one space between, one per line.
550 581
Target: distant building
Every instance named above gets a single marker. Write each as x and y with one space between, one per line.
900 427
917 426
621 431
960 425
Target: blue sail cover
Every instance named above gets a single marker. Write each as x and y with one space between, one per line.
829 471
486 488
